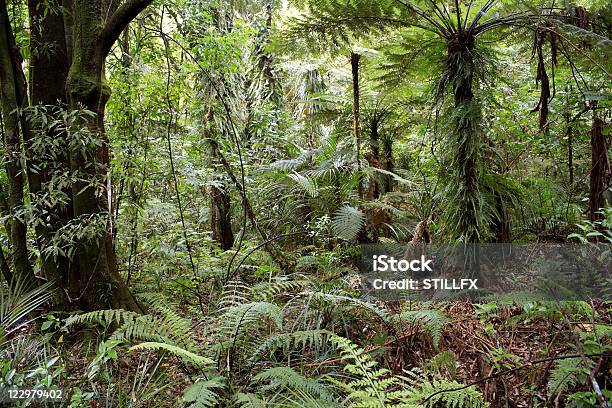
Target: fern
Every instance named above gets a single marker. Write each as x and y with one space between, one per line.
302 339
375 387
234 293
441 362
186 356
243 400
166 327
371 387
269 290
448 394
287 378
566 374
201 393
243 322
432 320
105 317
238 318
340 300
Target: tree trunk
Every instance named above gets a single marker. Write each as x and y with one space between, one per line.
467 145
570 148
374 160
355 78
49 64
600 174
220 206
4 211
11 92
501 221
388 162
542 77
96 284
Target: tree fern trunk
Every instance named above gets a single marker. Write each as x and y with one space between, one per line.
355 78
220 206
600 174
466 140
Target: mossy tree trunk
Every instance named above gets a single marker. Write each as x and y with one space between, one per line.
465 140
220 207
355 58
12 101
48 71
96 284
600 175
74 73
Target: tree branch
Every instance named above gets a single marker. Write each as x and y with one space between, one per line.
126 12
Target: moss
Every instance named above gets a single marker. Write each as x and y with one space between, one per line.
84 88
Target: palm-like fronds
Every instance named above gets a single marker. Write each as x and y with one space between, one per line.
18 301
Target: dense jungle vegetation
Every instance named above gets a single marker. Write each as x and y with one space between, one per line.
186 187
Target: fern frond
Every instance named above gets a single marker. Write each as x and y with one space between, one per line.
269 290
371 387
201 394
339 300
565 375
286 377
313 339
104 317
234 294
432 320
443 361
186 356
242 400
451 397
